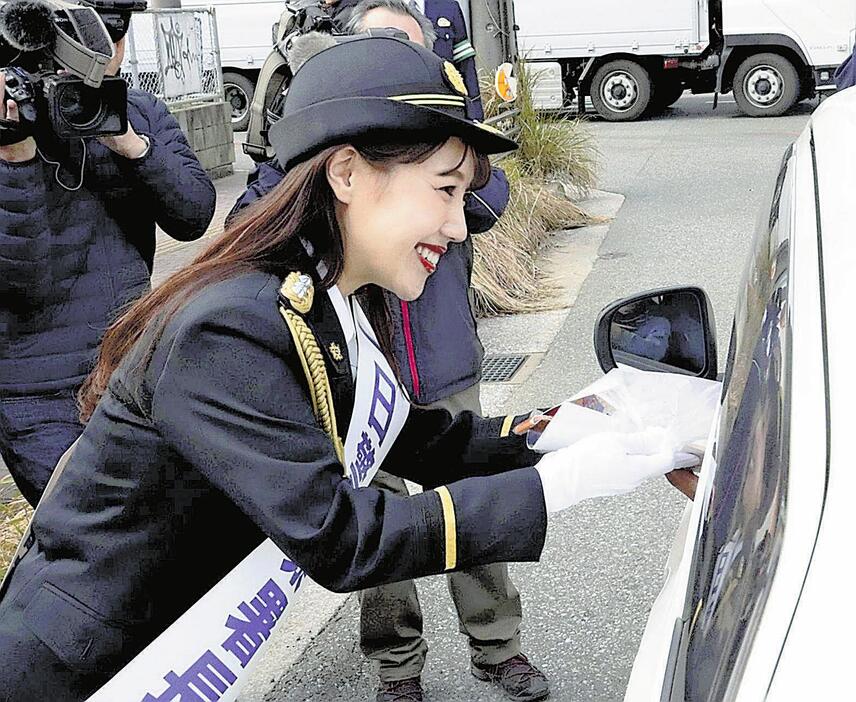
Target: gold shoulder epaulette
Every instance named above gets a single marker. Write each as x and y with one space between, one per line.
299 290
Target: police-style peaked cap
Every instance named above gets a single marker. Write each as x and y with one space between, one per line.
380 85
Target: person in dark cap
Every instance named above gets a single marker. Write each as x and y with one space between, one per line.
441 375
253 395
77 242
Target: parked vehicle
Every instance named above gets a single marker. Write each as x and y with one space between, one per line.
244 30
757 601
637 58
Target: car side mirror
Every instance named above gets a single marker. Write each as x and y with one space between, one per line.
670 330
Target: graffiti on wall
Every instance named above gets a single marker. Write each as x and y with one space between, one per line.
179 40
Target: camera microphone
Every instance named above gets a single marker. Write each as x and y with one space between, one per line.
27 25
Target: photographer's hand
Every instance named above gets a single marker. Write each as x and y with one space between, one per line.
23 150
129 145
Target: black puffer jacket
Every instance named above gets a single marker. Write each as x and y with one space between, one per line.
71 258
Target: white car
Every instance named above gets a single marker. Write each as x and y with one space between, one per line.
758 602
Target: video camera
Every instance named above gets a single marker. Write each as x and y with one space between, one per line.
308 16
55 54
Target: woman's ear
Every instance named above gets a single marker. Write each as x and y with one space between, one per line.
341 167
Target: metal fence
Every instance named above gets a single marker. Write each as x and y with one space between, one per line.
506 122
175 54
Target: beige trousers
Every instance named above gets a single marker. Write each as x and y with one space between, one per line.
488 604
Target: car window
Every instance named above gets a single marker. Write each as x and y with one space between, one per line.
741 537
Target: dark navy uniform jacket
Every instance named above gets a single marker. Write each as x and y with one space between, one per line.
181 474
845 74
453 44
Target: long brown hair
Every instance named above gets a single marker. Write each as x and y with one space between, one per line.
263 237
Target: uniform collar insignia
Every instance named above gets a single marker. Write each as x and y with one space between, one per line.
336 352
299 290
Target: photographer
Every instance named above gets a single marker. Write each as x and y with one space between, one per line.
77 241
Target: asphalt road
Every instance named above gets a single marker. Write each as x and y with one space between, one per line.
694 182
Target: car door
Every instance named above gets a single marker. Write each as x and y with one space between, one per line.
719 589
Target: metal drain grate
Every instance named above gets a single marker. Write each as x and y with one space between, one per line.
501 369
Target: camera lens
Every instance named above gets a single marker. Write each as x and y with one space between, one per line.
80 106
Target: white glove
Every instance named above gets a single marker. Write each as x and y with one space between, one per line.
604 464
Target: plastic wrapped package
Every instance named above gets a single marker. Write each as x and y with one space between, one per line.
629 400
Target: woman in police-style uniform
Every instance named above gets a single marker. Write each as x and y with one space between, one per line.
249 396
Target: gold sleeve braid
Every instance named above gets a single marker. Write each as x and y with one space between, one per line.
316 375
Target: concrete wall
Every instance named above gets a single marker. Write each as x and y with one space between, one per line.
208 128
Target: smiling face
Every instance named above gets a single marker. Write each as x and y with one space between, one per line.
398 221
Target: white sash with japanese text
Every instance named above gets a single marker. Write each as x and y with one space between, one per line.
206 655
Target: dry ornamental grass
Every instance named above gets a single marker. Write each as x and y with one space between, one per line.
557 161
14 517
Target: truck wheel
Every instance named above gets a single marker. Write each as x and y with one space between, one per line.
766 85
666 94
238 90
621 91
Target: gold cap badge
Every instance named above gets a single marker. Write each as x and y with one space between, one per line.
299 290
456 80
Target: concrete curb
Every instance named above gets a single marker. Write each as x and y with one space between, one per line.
306 619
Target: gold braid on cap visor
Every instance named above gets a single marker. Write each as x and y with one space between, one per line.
431 100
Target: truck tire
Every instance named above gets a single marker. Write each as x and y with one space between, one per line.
238 91
766 85
621 91
666 93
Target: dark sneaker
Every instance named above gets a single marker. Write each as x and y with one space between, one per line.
409 690
518 678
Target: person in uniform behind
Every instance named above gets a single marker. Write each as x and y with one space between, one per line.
452 42
249 396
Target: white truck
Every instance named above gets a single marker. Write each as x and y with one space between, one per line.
244 28
635 58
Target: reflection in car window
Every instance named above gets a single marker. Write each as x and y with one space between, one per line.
741 537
